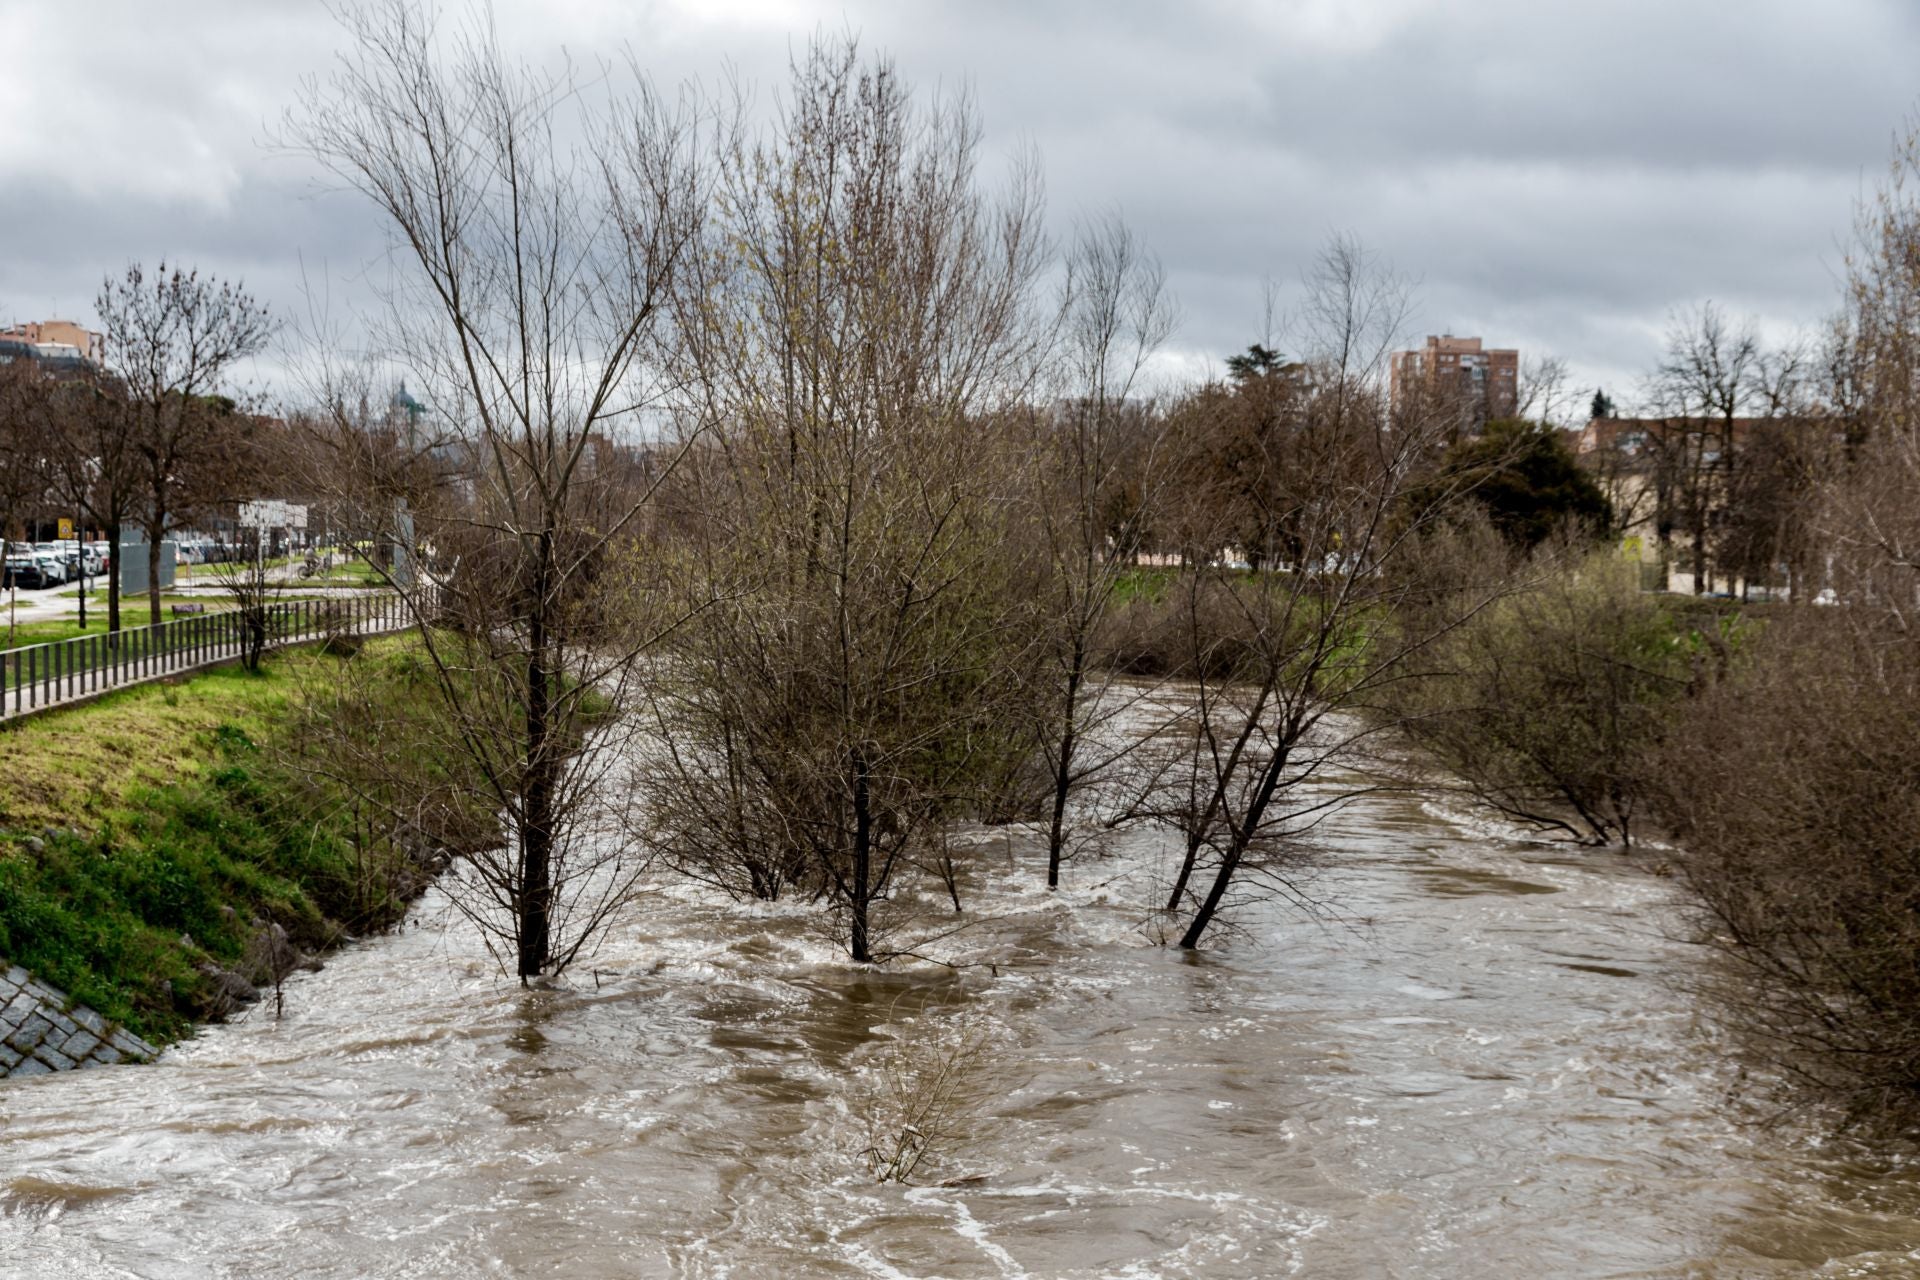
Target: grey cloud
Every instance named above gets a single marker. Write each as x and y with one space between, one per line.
1558 176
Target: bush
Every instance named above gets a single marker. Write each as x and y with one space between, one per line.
1795 790
1176 626
1546 703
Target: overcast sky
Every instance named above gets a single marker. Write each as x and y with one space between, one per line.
1557 176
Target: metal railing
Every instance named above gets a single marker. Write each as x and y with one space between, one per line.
37 677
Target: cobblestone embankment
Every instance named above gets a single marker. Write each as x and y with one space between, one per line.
39 1033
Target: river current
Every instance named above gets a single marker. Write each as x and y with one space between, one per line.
1475 1060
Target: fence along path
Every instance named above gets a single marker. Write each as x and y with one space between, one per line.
38 677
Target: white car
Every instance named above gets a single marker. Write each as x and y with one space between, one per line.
53 564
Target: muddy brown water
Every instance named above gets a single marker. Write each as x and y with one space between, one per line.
1476 1062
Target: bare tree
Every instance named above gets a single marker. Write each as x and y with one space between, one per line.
1717 379
1792 785
859 321
172 343
1284 655
92 461
1117 314
1543 393
254 588
536 224
26 408
1767 535
1794 794
1870 520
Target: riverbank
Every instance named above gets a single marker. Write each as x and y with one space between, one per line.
165 849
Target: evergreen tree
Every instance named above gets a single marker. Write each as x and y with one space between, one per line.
1258 362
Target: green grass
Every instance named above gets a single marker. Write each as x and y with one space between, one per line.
355 578
133 617
48 630
135 606
1143 582
148 833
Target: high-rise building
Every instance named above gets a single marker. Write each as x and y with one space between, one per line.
1488 381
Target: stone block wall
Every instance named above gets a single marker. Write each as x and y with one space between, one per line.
39 1032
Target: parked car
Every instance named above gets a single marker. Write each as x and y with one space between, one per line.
25 572
80 560
53 564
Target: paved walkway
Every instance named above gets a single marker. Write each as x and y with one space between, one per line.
39 1032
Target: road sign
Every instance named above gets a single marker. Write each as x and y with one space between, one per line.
66 529
269 514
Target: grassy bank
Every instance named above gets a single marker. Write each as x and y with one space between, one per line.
48 630
148 838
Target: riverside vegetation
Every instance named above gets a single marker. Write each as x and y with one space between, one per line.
794 445
165 842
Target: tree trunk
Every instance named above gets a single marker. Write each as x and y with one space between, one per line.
1190 940
256 622
1063 771
862 860
1196 835
536 825
113 575
1236 850
1700 582
1187 872
153 579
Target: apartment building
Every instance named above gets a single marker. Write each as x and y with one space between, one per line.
1486 379
54 340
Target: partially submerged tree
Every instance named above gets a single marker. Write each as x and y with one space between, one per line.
1546 705
859 320
1116 315
1794 791
537 222
1311 639
1793 786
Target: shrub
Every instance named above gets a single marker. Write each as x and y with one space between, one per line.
1546 703
1794 788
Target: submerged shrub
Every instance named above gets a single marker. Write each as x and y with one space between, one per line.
1794 789
1546 703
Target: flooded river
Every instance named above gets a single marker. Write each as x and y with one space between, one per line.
1475 1063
